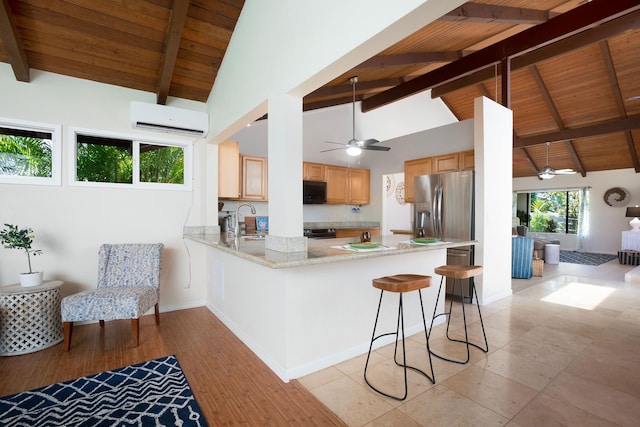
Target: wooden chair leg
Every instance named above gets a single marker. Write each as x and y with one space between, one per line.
68 331
157 309
101 323
135 331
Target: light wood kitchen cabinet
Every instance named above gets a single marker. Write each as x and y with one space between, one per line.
445 163
347 186
240 177
314 171
466 160
452 162
229 170
337 189
413 168
356 232
359 183
254 178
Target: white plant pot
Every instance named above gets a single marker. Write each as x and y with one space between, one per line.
31 279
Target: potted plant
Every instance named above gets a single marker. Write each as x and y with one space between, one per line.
13 237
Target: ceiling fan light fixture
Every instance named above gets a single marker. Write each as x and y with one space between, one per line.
545 175
354 151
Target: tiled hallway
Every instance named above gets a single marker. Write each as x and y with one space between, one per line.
563 350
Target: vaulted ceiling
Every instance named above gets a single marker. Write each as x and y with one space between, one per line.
571 67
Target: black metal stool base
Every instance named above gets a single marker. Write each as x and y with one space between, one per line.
400 329
464 318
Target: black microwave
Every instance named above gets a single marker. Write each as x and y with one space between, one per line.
314 192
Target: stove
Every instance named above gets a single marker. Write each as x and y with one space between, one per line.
320 233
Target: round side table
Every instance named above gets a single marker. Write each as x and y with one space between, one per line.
29 317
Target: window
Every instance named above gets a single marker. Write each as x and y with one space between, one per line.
29 153
550 211
119 160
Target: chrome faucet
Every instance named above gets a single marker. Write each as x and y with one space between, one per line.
236 229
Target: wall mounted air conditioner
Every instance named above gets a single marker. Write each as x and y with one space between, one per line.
169 119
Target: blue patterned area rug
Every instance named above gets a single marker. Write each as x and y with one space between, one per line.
585 258
153 393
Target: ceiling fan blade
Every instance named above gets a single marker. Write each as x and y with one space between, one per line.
370 141
565 172
337 143
334 149
376 148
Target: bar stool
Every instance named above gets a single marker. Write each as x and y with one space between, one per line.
400 284
458 273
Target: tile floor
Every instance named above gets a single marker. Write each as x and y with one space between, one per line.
564 349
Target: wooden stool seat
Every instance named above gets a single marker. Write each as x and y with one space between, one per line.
402 282
459 271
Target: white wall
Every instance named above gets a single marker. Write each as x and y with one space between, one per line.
71 222
606 222
305 45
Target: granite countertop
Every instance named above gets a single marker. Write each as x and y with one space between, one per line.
319 251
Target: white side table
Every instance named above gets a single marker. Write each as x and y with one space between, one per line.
551 253
29 317
631 240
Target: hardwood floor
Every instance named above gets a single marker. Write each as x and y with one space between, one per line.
231 385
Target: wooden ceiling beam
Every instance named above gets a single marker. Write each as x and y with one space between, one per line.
172 45
348 89
13 43
476 12
592 35
617 95
576 20
601 128
409 59
329 103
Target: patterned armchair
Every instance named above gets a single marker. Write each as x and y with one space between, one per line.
128 286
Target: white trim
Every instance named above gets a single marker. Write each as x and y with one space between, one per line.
56 152
136 140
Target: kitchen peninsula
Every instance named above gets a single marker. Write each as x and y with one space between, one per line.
302 312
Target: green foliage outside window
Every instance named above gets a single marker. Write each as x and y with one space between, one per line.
104 163
25 155
554 212
161 164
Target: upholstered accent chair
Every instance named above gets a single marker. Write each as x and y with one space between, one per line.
128 286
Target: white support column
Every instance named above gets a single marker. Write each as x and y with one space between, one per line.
285 174
493 144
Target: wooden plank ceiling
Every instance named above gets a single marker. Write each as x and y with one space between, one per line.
572 66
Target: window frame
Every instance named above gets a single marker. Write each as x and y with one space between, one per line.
136 140
56 152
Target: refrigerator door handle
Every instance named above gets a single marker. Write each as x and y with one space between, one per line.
439 211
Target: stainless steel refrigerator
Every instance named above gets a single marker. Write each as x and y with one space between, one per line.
444 208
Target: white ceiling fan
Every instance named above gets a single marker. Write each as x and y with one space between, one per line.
548 172
355 146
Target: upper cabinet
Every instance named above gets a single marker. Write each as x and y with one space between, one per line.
241 177
254 178
452 162
413 168
337 188
314 171
466 160
228 170
345 186
359 183
445 163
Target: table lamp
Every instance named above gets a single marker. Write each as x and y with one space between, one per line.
635 222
